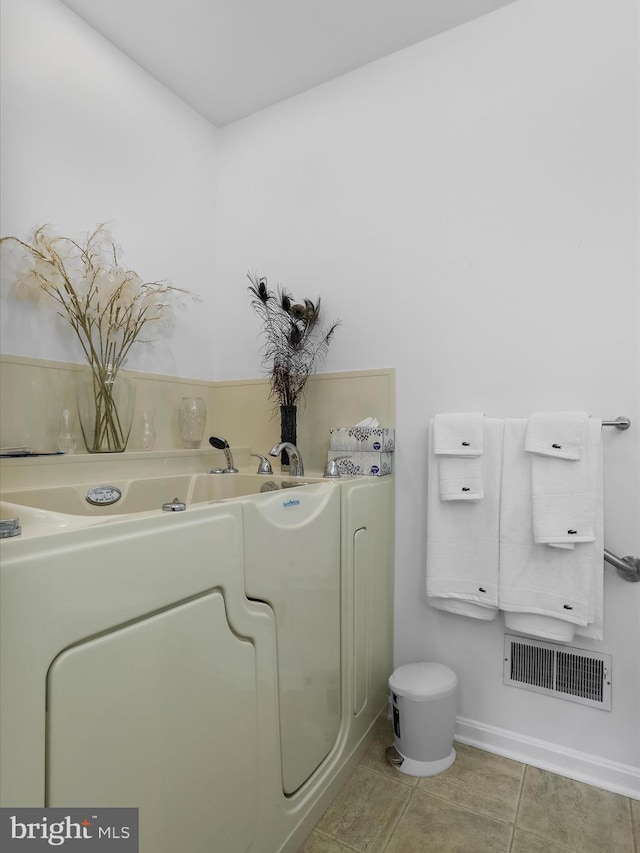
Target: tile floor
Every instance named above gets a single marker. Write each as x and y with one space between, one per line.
482 804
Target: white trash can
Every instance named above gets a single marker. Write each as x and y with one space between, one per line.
424 718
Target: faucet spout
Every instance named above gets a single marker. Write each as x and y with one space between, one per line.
296 465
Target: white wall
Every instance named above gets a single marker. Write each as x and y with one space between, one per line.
87 136
469 208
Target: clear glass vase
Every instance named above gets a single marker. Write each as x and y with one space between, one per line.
105 409
66 438
147 429
192 417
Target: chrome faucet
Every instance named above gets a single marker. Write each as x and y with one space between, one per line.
223 444
264 466
296 465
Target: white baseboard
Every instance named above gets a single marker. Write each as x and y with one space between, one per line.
582 766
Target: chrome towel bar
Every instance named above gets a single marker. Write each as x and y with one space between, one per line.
628 567
621 422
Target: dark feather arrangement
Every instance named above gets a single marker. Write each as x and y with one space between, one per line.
294 342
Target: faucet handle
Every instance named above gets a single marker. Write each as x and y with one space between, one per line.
331 468
264 466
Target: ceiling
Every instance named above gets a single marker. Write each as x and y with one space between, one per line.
230 58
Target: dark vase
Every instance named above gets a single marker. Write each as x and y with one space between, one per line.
288 416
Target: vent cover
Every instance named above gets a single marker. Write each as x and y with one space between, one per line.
574 674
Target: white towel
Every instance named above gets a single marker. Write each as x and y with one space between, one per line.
462 537
458 434
562 513
595 627
559 434
460 478
540 626
458 443
565 585
562 504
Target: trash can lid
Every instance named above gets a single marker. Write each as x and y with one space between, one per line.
421 680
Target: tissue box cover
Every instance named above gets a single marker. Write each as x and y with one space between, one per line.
364 462
358 438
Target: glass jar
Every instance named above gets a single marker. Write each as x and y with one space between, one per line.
147 429
192 417
66 438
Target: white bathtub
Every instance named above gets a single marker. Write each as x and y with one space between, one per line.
219 668
145 494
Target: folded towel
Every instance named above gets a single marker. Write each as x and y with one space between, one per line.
562 503
544 627
458 434
562 520
559 434
460 478
462 537
535 579
464 608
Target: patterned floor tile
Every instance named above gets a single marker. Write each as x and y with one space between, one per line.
366 811
526 842
635 820
432 825
584 818
317 843
480 781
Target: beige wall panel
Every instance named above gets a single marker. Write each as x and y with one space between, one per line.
33 392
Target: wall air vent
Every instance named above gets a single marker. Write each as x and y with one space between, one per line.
574 674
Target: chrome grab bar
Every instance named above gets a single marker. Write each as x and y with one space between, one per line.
628 567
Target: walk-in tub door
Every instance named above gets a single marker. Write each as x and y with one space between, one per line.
292 553
161 715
